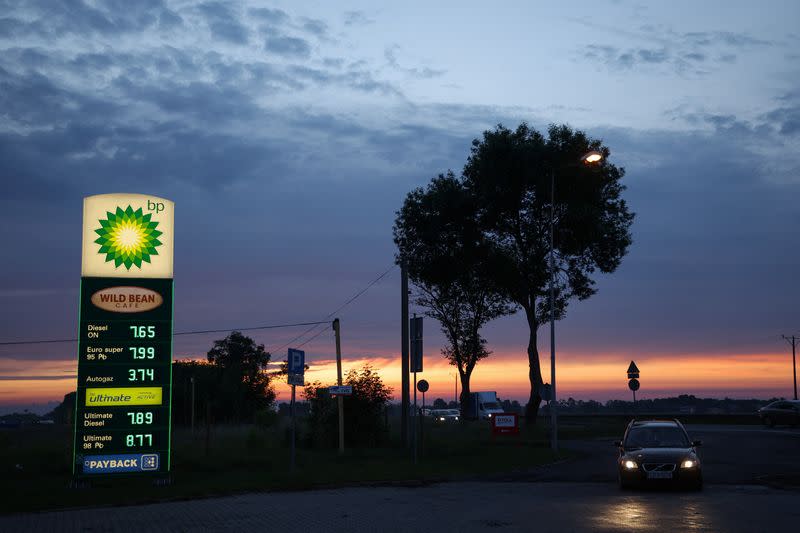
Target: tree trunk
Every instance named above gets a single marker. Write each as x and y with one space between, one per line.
464 396
534 370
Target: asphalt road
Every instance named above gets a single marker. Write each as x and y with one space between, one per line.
729 455
511 506
580 495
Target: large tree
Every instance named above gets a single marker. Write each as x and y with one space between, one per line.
243 385
508 176
438 239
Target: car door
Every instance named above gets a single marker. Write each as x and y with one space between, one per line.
784 413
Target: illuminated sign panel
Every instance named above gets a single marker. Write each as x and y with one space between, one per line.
122 413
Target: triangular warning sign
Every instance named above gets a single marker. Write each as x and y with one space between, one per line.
633 369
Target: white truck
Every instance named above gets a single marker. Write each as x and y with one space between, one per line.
482 405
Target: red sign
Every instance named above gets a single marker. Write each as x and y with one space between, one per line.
505 424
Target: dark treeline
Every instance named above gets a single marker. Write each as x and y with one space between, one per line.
683 404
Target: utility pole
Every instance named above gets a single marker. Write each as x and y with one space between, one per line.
339 397
793 341
404 396
192 380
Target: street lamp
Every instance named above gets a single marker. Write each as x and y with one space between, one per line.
588 158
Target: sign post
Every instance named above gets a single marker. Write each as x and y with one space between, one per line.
339 398
423 388
633 382
416 366
124 394
296 367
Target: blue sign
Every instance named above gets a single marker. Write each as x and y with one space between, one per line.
343 390
297 361
113 464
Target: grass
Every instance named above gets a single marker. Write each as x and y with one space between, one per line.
34 463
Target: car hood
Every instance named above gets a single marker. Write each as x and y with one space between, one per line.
659 455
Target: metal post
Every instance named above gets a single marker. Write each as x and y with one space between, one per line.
404 436
793 341
422 427
553 415
414 425
794 365
339 397
192 380
292 463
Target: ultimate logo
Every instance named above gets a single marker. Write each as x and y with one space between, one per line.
128 237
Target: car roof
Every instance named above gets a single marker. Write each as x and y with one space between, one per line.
655 422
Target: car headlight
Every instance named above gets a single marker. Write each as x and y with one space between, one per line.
689 463
441 418
456 418
630 465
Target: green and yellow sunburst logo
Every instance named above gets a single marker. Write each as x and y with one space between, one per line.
128 237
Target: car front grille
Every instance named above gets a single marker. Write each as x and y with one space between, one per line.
659 467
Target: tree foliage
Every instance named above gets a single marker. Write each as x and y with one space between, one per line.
508 175
364 411
230 387
438 239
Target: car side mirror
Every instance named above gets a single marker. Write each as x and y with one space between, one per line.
697 443
618 443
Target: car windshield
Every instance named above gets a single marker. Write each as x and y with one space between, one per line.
656 437
453 412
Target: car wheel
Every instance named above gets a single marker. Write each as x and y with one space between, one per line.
768 422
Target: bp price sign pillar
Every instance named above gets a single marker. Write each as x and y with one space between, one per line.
123 403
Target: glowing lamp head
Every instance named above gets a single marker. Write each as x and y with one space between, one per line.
592 157
630 465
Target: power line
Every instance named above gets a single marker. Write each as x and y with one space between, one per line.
320 332
270 326
196 332
348 302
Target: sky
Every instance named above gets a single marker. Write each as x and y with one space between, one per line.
288 134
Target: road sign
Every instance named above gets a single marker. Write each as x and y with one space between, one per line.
423 386
296 366
340 390
633 371
297 361
633 384
123 414
506 423
416 344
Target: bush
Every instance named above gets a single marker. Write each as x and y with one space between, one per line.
364 412
266 418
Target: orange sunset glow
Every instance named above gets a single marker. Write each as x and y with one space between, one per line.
598 377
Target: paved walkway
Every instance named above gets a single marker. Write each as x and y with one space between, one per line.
539 507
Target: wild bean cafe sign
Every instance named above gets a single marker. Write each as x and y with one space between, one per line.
123 403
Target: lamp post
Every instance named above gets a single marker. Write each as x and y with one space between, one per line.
588 159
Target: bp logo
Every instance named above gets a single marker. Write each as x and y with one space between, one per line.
128 237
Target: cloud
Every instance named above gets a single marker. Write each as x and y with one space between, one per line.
272 16
390 54
356 18
314 26
681 53
223 22
288 46
47 19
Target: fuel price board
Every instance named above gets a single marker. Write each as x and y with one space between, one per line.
123 401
